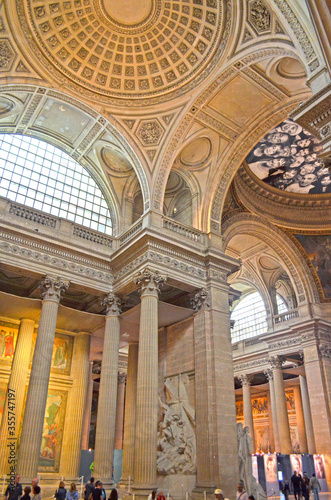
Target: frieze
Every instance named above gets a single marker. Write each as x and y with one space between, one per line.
308 336
251 364
284 343
58 262
216 125
7 55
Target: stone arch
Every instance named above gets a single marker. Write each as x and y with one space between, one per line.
26 124
293 261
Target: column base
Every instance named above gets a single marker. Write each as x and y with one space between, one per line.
143 490
203 492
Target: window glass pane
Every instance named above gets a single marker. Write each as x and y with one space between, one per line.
250 318
32 168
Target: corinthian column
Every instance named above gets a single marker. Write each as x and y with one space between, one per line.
106 416
72 436
88 408
130 416
281 407
307 416
16 385
300 420
246 381
273 412
147 384
120 411
33 422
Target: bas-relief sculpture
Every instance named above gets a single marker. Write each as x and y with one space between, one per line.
245 463
176 436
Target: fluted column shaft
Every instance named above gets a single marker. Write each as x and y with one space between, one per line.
130 416
271 424
274 414
281 407
147 386
16 385
120 411
300 420
248 410
72 436
33 422
307 416
106 419
88 409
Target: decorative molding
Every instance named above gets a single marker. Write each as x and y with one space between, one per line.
251 364
325 351
284 343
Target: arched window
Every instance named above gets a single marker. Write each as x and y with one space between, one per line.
250 316
41 176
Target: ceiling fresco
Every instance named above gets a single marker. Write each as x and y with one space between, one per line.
287 158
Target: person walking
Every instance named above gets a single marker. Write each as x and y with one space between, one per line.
285 488
315 486
295 483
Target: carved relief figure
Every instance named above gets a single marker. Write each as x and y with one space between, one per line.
176 437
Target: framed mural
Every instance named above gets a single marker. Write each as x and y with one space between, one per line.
50 450
8 338
62 353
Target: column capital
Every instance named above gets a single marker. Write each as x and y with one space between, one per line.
113 304
121 377
149 281
245 379
52 287
269 374
201 300
276 361
325 351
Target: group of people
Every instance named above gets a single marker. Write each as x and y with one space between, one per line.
94 490
14 491
301 486
286 158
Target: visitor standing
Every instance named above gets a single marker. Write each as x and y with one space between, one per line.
72 494
61 492
14 491
315 486
295 483
89 488
241 493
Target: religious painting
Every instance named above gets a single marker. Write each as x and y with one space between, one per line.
50 450
8 338
296 463
270 467
3 392
319 466
295 439
286 159
240 410
61 355
318 251
260 407
290 404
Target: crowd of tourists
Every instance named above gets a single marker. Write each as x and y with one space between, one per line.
299 486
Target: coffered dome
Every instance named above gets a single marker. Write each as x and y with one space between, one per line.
129 48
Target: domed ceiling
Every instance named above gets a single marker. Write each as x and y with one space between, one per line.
286 158
128 48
